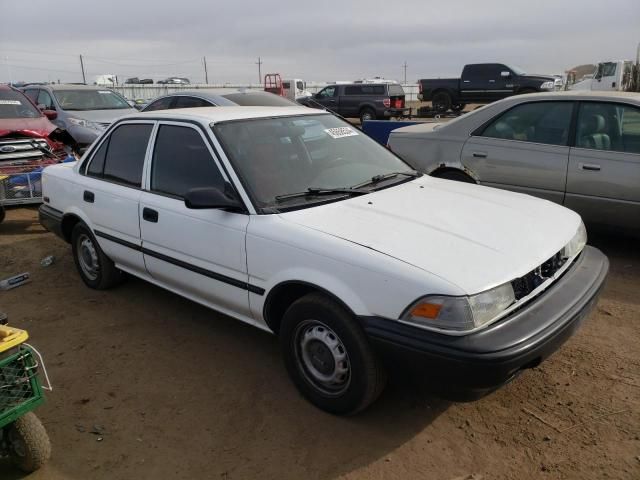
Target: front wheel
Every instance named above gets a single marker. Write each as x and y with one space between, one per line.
29 446
328 356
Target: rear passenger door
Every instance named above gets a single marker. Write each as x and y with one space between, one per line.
110 193
525 149
603 180
197 253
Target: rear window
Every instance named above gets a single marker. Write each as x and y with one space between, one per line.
395 90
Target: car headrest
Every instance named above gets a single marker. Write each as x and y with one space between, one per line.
594 124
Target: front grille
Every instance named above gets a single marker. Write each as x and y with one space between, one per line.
523 286
22 148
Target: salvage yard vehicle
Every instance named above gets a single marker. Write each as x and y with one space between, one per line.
293 221
83 111
481 83
23 438
217 98
28 142
616 76
365 101
579 149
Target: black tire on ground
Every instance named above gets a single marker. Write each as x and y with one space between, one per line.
458 107
441 102
2 214
456 175
328 356
367 114
29 446
95 268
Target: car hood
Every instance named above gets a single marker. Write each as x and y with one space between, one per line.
101 116
542 78
472 236
32 127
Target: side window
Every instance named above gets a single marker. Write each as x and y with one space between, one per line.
539 122
125 155
45 99
96 165
353 90
608 126
182 161
191 102
328 92
160 104
32 94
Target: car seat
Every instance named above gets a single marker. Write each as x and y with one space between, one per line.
592 133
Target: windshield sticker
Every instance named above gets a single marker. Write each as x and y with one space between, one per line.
104 91
10 102
341 132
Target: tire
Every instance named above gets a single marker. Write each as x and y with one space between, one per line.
3 214
456 175
367 114
441 102
458 107
95 268
328 356
29 446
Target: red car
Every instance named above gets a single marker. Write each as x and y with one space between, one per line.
28 142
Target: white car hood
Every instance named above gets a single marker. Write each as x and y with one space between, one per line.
472 236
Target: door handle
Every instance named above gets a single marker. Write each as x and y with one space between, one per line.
466 81
589 166
479 154
88 196
150 215
492 81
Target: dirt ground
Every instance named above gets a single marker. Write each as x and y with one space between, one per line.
180 392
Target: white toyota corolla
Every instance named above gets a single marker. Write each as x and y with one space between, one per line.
296 222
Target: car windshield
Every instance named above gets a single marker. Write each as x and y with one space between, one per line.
279 159
90 100
264 99
15 105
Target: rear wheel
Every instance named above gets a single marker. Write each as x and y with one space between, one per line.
95 268
456 175
29 446
328 356
441 102
367 114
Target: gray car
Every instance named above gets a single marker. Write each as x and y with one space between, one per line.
579 149
84 111
218 98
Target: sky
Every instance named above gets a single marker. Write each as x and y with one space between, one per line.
317 41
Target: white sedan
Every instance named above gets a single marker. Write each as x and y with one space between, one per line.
293 221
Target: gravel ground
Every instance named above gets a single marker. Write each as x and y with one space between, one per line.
172 390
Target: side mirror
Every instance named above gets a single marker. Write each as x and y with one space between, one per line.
211 197
50 114
505 74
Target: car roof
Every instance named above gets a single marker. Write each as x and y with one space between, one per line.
578 95
222 114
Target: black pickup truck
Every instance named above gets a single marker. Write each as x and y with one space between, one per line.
367 101
480 83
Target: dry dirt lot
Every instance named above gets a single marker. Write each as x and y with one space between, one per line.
181 392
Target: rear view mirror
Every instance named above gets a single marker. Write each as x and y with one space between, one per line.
50 114
505 74
213 198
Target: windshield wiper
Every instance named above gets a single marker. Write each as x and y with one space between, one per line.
316 191
386 176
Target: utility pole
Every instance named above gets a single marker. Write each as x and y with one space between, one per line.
206 75
84 79
405 72
259 63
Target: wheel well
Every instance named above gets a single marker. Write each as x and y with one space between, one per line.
367 107
283 295
68 222
440 170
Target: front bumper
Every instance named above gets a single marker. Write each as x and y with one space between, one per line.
51 219
488 358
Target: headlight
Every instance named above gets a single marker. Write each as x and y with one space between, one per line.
460 313
547 86
85 123
577 243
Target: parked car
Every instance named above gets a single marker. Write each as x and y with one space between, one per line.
83 111
481 83
578 149
367 101
138 81
221 98
175 81
28 142
325 238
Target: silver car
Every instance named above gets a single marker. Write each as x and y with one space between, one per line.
579 149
